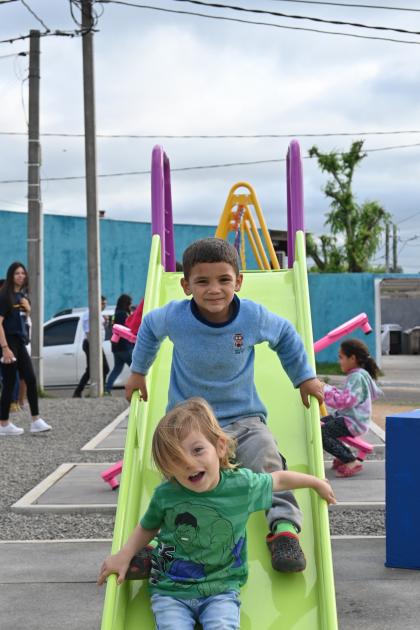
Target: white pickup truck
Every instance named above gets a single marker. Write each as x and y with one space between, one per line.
63 358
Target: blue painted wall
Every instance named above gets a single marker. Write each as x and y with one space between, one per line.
125 246
336 298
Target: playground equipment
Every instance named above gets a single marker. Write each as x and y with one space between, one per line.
238 218
402 513
118 331
130 329
128 332
360 321
302 602
110 473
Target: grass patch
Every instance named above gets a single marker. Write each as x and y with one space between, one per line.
328 368
44 394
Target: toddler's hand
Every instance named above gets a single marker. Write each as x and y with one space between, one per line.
113 564
325 491
311 387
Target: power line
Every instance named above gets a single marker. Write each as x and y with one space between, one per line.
407 218
354 6
400 146
269 24
56 33
32 12
163 136
193 168
20 54
231 7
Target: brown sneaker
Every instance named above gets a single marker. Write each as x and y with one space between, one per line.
140 565
286 553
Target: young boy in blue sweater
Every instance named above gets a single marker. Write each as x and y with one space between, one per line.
214 335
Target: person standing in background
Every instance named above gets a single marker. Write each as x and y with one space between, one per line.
86 375
122 350
14 310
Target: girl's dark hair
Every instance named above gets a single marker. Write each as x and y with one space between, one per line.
124 303
9 286
360 350
209 250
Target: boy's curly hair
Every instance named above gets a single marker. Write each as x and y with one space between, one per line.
195 414
209 250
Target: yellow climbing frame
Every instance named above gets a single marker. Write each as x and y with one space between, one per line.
237 217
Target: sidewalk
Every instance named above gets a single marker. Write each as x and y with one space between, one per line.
52 584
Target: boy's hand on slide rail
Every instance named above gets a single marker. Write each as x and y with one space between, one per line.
136 381
311 387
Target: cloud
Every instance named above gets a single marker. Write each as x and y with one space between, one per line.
161 73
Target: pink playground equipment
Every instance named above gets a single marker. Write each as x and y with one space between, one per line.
118 331
360 321
128 332
109 475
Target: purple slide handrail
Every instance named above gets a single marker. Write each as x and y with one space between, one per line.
294 198
162 222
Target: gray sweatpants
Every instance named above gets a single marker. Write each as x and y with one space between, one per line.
257 450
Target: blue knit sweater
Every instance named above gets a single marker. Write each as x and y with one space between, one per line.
216 361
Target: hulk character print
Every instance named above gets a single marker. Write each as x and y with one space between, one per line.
202 543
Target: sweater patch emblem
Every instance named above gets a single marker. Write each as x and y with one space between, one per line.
238 343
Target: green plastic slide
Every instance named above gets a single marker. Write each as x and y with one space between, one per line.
270 600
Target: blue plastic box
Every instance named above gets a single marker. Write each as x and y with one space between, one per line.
403 490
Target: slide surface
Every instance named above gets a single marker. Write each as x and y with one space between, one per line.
270 601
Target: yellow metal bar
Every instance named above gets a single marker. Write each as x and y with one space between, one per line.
253 245
227 223
266 264
243 257
266 234
225 220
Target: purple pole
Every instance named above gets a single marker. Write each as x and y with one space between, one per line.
294 198
169 226
162 206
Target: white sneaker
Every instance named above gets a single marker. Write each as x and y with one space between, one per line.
10 429
38 426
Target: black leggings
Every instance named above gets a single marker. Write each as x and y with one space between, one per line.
23 365
333 428
86 375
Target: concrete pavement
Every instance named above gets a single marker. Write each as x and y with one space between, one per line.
52 585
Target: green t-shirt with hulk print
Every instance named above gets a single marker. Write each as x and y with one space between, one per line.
201 547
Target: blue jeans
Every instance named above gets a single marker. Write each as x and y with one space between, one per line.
217 612
120 359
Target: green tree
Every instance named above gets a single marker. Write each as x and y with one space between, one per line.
358 226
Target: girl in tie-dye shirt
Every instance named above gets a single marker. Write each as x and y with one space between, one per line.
350 408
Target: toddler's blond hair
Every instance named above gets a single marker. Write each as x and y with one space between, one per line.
195 414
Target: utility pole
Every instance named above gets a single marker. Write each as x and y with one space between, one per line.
394 248
387 247
93 248
35 218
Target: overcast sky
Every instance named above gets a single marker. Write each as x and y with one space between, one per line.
166 73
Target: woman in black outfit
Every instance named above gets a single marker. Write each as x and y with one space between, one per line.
14 309
122 350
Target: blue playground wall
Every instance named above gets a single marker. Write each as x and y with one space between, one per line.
336 298
125 246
